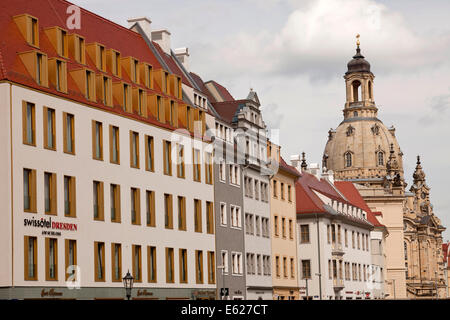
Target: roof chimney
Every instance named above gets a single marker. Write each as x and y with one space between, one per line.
182 55
144 23
295 162
162 37
314 170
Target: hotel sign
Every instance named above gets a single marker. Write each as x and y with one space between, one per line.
50 227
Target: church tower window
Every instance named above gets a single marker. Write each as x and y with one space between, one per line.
380 158
356 90
370 90
348 159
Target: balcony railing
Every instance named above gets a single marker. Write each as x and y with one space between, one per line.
336 249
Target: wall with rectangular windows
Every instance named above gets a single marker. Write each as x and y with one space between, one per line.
60 171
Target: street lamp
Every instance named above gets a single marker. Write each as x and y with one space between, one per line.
128 283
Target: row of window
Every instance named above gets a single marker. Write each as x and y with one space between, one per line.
348 158
359 272
284 230
236 262
51 262
50 202
285 267
235 216
256 225
258 264
234 176
361 242
282 191
256 189
29 138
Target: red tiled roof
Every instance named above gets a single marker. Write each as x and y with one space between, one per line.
226 110
283 165
198 80
51 13
224 93
306 201
174 68
349 191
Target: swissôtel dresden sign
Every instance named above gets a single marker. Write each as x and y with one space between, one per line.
49 227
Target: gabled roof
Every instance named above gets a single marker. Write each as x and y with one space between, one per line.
223 92
348 189
288 168
173 66
227 110
198 80
307 188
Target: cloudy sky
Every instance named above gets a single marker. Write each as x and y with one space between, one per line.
294 54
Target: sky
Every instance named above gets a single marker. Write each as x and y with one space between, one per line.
294 54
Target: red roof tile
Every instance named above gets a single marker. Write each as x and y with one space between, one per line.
173 66
198 80
94 28
349 191
283 165
226 110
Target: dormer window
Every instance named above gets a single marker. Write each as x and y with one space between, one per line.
146 74
90 85
104 87
77 48
29 27
63 43
39 65
58 74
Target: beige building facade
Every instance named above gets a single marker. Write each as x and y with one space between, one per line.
284 235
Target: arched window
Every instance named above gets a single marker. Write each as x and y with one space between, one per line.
380 158
356 90
348 159
370 90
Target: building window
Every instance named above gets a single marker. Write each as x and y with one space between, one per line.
99 259
275 227
151 264
208 168
183 266
168 211
97 140
51 259
353 239
114 154
291 229
69 133
30 258
49 129
277 266
28 123
167 158
380 158
50 193
283 227
137 263
211 268
222 169
135 206
209 218
282 190
198 266
180 161
236 217
275 189
69 197
306 269
116 262
29 190
292 264
90 86
304 233
71 258
170 277
134 149
106 91
224 255
223 214
150 212
197 215
348 159
346 238
98 201
181 213
126 97
289 194
115 203
196 165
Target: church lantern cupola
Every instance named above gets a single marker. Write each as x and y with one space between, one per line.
359 87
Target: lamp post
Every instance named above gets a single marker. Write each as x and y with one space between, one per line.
307 292
128 284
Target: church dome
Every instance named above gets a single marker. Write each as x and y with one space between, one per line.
358 63
359 149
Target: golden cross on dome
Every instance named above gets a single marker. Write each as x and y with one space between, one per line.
357 40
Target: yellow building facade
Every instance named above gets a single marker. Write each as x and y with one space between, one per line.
283 221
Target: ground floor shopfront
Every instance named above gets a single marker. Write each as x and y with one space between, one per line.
104 293
285 293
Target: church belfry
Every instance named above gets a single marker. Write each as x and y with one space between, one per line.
359 87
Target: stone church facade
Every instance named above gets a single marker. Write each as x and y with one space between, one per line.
363 150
